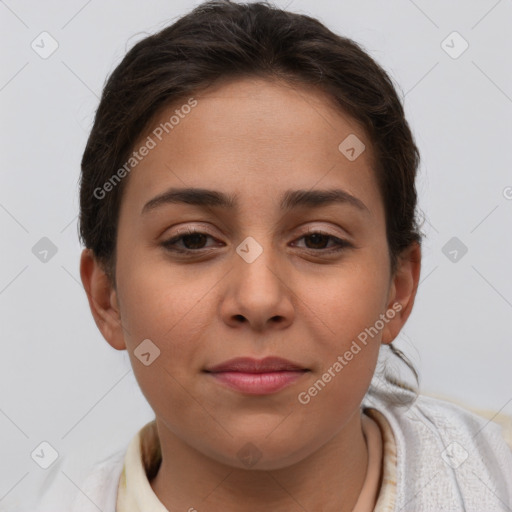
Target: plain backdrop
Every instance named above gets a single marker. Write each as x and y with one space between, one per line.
61 383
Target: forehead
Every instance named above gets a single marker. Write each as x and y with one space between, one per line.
256 135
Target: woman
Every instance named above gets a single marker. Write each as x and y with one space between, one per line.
248 208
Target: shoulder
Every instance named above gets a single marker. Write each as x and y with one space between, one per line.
442 415
445 452
450 421
497 421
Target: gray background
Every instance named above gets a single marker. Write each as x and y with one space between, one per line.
60 381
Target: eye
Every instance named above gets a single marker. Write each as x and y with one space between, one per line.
320 238
194 241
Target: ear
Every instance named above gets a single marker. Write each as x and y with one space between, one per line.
402 291
102 299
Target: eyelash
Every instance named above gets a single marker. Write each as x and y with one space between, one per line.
170 244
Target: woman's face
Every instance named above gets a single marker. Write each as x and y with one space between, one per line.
254 283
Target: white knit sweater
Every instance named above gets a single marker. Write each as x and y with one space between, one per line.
447 459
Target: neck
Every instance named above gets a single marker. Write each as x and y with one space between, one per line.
329 479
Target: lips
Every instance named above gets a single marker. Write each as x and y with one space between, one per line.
250 365
257 377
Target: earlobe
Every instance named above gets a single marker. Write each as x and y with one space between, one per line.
102 298
402 294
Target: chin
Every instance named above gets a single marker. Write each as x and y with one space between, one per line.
265 454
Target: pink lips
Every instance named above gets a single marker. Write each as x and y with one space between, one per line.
257 377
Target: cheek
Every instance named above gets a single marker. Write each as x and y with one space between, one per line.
157 298
168 309
348 350
349 306
352 300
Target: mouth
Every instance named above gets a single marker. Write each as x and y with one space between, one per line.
257 377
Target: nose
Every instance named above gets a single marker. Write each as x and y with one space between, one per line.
258 290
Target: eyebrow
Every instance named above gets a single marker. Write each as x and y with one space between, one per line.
291 199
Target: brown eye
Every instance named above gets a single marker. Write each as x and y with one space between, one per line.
192 241
319 239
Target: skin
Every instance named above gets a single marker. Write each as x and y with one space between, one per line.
297 300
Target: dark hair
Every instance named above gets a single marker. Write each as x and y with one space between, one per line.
223 40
